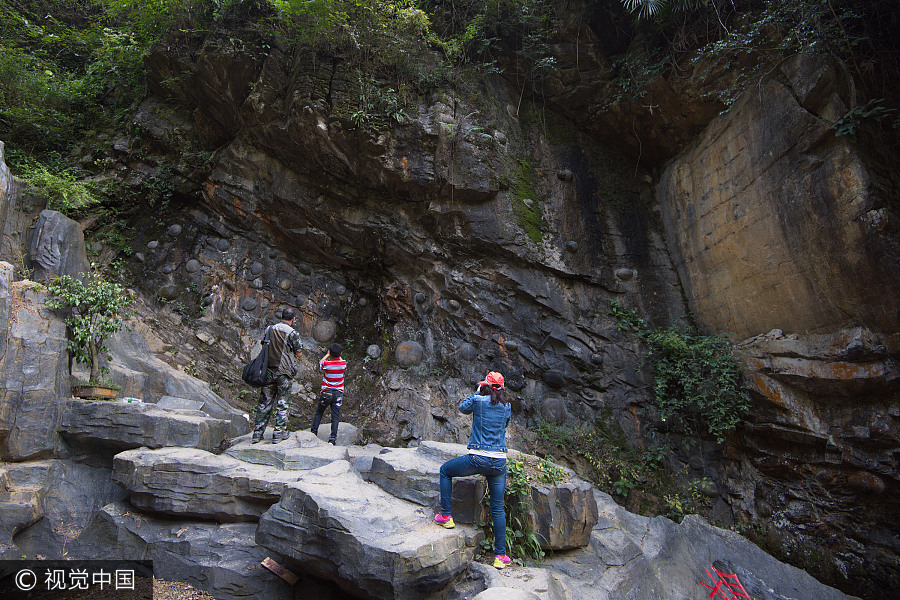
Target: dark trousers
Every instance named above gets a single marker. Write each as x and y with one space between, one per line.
494 470
333 399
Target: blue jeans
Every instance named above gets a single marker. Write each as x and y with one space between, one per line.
494 470
328 398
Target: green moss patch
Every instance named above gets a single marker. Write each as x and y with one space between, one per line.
528 217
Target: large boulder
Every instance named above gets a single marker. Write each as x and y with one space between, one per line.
563 515
333 524
193 483
124 425
220 559
34 377
347 435
414 474
631 557
301 451
56 247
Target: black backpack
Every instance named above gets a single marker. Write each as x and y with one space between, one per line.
254 373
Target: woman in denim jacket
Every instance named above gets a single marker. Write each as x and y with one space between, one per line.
487 456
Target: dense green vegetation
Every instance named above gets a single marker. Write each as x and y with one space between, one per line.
73 70
643 478
697 378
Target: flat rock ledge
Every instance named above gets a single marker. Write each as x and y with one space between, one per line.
301 451
186 482
121 425
337 526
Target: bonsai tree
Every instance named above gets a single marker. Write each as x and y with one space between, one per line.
96 311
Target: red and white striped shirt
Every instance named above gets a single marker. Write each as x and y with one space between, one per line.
333 373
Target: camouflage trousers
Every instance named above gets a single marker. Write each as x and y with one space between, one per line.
275 394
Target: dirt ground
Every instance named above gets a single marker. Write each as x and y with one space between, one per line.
175 590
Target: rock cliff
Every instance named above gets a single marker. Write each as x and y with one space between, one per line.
488 233
349 520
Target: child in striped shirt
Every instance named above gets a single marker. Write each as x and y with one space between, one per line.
333 367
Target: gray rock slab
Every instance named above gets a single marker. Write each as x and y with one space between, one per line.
415 476
20 502
313 458
64 495
284 452
34 377
122 425
173 403
143 375
515 583
220 559
347 434
633 558
340 527
563 516
361 457
408 474
194 483
442 451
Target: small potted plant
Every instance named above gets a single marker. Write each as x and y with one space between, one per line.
96 310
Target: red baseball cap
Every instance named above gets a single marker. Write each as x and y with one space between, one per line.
493 379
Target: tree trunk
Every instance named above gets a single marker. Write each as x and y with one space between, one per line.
95 362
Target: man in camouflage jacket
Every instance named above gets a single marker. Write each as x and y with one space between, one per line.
285 349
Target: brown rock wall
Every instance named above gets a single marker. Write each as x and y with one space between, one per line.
766 218
819 469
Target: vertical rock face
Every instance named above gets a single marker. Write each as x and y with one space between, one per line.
776 224
486 241
33 371
819 451
5 186
773 222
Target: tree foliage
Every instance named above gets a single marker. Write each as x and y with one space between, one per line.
749 39
65 69
95 309
62 186
381 49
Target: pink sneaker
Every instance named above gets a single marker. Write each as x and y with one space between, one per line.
445 521
501 561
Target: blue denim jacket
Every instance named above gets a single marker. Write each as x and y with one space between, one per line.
489 422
